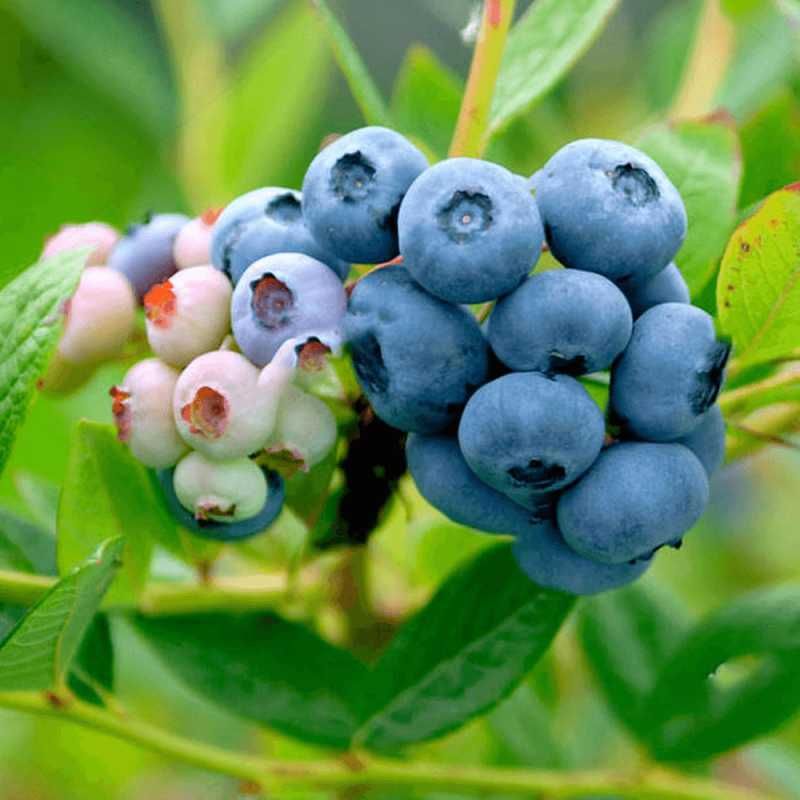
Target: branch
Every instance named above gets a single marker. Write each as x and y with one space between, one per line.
364 770
733 400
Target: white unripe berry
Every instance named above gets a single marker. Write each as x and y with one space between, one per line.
97 235
192 246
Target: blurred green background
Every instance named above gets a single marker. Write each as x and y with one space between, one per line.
111 108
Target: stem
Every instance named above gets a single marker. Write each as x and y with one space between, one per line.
735 399
469 138
760 425
364 770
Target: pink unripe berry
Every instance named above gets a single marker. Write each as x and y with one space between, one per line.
222 491
142 407
192 246
99 317
188 315
97 235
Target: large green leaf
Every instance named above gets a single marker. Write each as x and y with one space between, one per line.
702 159
92 673
266 669
626 636
107 493
365 92
758 291
462 653
549 38
37 653
26 546
29 329
732 679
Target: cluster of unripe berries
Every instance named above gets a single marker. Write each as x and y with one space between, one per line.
504 436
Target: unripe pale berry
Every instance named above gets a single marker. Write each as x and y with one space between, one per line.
100 317
192 246
223 491
97 235
188 315
142 407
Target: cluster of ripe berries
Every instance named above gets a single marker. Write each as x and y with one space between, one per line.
504 436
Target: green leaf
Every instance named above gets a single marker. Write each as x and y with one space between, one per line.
35 548
733 678
626 636
758 290
9 617
93 669
549 38
426 99
307 492
107 493
37 653
701 157
40 497
462 653
265 669
365 92
235 18
29 330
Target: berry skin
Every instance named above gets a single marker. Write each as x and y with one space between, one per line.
99 317
262 223
285 296
526 434
226 531
609 208
97 235
417 358
636 498
142 408
353 189
549 561
668 286
707 440
188 315
469 230
144 254
192 246
669 375
561 321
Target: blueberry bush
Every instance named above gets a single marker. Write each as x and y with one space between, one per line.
372 487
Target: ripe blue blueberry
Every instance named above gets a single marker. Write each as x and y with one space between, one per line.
670 374
353 189
548 560
636 498
144 254
707 440
609 208
526 433
561 321
417 358
668 286
261 223
284 296
469 230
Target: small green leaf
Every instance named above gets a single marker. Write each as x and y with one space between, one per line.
107 493
366 93
701 157
92 671
307 492
549 38
733 678
29 329
266 669
235 18
626 636
758 290
35 548
37 653
462 653
40 497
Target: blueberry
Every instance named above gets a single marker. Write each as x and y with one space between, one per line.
445 480
281 297
469 230
353 189
417 358
527 433
144 253
707 440
549 561
561 321
261 223
225 531
636 498
609 208
670 374
97 235
192 245
667 286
